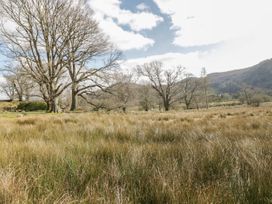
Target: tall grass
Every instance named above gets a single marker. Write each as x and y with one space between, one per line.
217 156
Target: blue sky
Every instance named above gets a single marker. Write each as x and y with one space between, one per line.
217 34
162 34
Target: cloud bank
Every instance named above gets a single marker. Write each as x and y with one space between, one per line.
242 28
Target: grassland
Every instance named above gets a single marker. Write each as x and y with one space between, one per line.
215 156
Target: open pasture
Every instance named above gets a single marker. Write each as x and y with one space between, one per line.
208 156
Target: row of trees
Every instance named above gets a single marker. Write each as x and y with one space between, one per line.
158 87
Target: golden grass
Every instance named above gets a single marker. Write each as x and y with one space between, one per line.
211 156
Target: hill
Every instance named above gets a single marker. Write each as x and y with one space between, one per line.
257 77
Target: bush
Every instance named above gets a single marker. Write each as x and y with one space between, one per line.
8 106
256 101
9 109
32 106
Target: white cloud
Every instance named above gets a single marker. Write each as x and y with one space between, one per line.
243 28
2 79
111 19
191 61
142 7
212 21
142 20
213 60
124 40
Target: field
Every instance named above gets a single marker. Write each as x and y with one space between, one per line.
214 156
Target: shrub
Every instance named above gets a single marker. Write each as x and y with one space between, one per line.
32 106
9 109
8 106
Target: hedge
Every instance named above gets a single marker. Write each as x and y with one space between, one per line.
32 106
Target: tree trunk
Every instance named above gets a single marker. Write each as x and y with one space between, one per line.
247 97
74 95
53 106
20 97
196 103
206 99
187 103
27 95
124 109
48 106
74 100
187 106
166 105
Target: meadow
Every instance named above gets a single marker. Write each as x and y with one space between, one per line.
207 156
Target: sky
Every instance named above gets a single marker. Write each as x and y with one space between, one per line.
219 35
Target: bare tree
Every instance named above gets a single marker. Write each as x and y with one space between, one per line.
164 82
189 88
39 41
114 91
84 79
251 96
204 79
7 88
247 94
122 89
86 44
19 81
146 97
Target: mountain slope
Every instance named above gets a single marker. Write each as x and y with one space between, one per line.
258 76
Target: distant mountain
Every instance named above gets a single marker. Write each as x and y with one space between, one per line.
257 77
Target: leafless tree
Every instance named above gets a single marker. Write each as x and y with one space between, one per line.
251 96
85 80
86 44
17 83
7 88
146 97
112 92
204 79
122 89
189 87
164 82
42 30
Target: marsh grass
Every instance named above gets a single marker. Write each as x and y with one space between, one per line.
215 156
